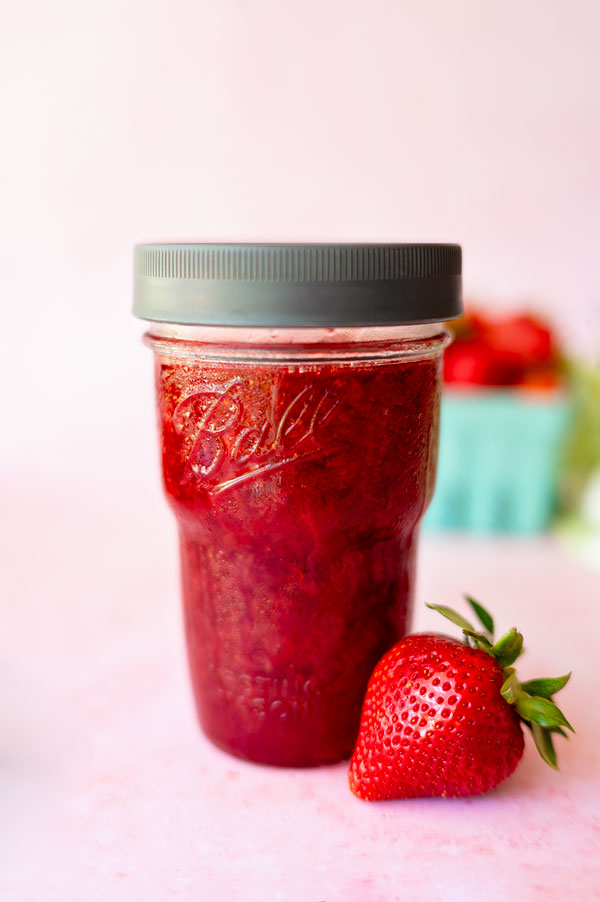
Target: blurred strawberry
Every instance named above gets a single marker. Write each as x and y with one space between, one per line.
525 336
475 362
466 362
468 326
510 351
541 378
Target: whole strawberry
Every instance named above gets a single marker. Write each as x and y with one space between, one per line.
443 718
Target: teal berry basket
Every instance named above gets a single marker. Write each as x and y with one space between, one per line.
498 461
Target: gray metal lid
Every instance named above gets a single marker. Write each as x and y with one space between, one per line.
329 285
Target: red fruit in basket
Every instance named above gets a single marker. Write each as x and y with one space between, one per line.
475 362
468 326
501 352
466 362
524 336
542 378
443 718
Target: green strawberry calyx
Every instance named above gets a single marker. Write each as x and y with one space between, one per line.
532 700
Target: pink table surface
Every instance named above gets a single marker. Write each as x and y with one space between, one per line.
109 790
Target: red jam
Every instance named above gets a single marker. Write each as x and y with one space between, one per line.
298 488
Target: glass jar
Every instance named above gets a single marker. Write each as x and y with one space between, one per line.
299 458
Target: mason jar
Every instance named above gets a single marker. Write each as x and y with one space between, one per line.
298 391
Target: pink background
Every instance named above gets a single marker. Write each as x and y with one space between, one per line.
125 122
265 120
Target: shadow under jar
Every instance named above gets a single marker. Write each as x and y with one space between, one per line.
298 396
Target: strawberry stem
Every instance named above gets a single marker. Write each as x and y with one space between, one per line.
546 688
532 700
484 617
508 648
451 615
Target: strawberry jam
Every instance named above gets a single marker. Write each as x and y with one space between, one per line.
298 482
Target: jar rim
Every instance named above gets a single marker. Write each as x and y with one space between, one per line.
295 346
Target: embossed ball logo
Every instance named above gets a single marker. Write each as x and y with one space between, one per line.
229 445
